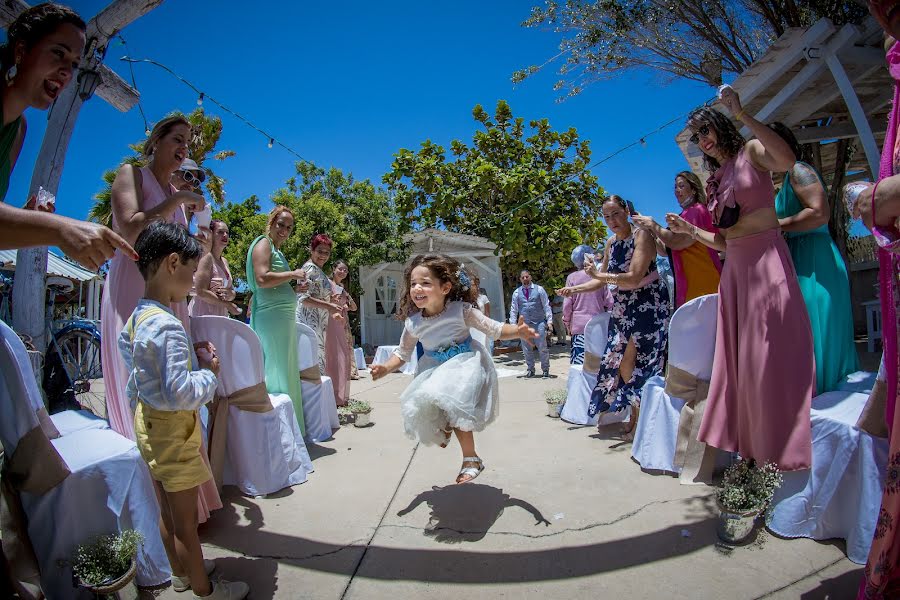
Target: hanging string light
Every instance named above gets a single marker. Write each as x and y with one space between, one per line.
272 140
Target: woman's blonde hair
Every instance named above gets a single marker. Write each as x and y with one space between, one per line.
273 216
162 129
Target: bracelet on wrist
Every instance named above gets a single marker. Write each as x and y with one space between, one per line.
740 115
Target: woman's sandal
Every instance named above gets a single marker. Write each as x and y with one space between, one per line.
470 472
447 433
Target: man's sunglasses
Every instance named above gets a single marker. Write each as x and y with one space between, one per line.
703 131
191 179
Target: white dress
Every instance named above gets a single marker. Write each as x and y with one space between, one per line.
455 383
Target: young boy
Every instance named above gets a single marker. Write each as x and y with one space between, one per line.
167 385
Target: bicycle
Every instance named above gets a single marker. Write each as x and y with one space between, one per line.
72 369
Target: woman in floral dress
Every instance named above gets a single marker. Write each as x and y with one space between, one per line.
314 305
639 324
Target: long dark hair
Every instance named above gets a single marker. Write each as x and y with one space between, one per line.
446 270
728 138
785 133
31 26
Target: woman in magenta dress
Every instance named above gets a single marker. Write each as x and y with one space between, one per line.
764 375
141 195
338 353
213 284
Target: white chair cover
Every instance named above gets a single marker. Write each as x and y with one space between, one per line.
840 496
360 358
383 353
70 421
692 342
109 488
581 384
265 451
860 381
319 405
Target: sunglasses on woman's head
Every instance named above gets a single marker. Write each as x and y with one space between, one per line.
702 131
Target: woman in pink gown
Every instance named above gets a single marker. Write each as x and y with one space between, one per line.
213 284
141 195
338 353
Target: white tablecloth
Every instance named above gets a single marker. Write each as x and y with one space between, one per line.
384 353
360 358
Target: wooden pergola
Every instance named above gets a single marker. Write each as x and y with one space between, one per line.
831 86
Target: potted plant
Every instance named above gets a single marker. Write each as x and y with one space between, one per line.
361 411
107 563
555 400
344 414
745 491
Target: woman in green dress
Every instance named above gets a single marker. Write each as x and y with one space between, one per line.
273 305
802 208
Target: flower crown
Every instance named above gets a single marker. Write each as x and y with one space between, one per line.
464 281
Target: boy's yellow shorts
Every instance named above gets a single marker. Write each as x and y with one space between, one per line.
170 441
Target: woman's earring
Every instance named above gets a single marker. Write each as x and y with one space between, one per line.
11 73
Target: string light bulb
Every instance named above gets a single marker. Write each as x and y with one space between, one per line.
643 142
147 132
200 99
271 142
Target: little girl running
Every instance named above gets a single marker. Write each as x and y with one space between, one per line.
455 388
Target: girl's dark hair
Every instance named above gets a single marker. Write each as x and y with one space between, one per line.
341 261
785 133
160 239
728 138
33 25
445 269
215 223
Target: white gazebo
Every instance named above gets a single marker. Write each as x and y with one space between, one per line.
383 284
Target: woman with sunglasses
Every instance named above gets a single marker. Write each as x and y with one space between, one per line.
639 323
141 195
763 376
696 267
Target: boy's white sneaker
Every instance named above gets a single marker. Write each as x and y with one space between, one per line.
183 584
227 590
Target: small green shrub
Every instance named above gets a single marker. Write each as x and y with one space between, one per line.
747 486
106 558
555 396
360 407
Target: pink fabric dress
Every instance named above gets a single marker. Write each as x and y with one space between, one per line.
221 279
123 288
338 353
764 375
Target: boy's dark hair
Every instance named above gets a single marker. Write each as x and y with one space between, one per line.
160 239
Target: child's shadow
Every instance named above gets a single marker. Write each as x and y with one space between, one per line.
465 513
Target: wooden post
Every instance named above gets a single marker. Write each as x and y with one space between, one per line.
29 290
837 223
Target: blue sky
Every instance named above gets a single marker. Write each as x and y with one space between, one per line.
347 84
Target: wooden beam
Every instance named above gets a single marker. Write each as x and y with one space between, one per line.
116 91
807 135
866 137
119 13
863 55
814 104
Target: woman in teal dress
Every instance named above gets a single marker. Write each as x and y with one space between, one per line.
273 306
802 208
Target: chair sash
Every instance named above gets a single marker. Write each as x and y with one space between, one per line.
311 374
696 460
35 467
252 399
591 362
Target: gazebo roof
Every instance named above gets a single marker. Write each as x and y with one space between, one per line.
798 82
438 240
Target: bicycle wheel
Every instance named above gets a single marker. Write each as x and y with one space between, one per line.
80 353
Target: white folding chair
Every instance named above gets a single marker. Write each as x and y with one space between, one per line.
583 378
840 496
319 405
383 354
107 488
692 342
263 451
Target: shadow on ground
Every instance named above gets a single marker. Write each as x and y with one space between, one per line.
465 513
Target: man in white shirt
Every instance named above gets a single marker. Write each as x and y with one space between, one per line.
530 301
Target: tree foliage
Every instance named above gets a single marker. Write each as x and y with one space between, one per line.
359 218
528 191
206 131
698 40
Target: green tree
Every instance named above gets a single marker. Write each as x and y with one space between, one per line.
360 218
529 192
205 137
692 39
